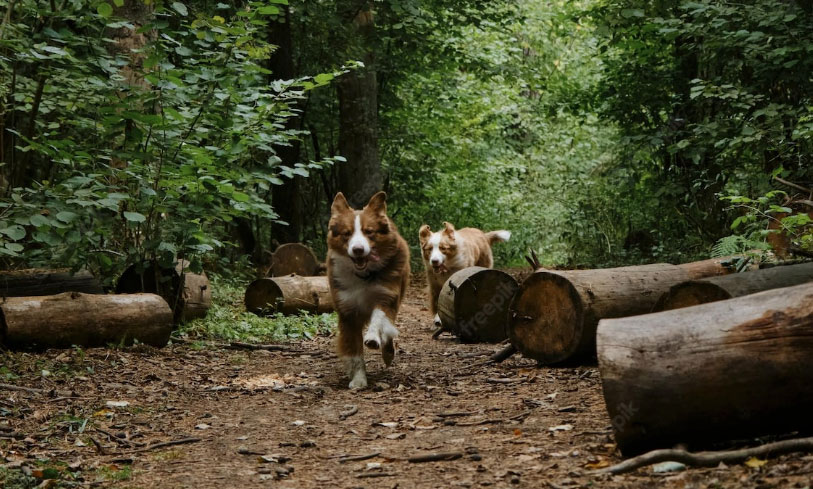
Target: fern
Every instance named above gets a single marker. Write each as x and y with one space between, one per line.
736 244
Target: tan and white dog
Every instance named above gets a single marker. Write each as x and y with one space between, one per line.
368 272
448 251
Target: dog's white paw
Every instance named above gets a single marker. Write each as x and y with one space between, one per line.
359 382
356 371
388 353
436 322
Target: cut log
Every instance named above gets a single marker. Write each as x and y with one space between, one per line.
718 371
87 320
709 268
38 281
713 289
288 295
188 294
554 314
473 304
294 259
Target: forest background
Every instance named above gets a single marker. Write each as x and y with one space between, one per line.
600 132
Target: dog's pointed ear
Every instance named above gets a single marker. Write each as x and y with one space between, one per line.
339 204
424 233
448 229
378 203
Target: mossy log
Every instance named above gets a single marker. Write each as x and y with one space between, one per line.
294 259
714 289
87 320
718 371
473 304
39 281
188 294
288 295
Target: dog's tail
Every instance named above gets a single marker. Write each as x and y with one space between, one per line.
498 236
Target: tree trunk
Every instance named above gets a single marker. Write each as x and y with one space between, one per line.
709 268
714 289
473 304
188 294
286 198
38 281
73 318
288 295
714 372
554 314
360 176
294 259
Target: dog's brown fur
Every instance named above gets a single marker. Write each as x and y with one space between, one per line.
378 284
461 248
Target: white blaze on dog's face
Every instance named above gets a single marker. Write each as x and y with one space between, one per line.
363 236
440 248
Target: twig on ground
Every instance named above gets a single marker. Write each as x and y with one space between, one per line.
709 459
435 457
371 475
492 380
163 444
239 345
503 354
99 447
120 441
455 414
351 409
438 332
358 458
32 390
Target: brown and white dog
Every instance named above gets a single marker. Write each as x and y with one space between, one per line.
368 272
448 251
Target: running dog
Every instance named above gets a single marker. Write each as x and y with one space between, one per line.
368 272
448 251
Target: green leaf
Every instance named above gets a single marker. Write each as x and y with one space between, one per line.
104 9
180 8
39 220
134 217
240 197
66 216
323 78
118 3
15 232
268 10
15 247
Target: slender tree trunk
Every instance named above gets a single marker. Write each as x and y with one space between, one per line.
360 176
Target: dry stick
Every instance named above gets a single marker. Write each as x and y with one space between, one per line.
120 441
503 354
455 414
351 410
32 390
358 458
375 474
709 459
794 185
438 332
168 444
435 457
238 345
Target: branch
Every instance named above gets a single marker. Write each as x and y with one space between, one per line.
709 459
793 185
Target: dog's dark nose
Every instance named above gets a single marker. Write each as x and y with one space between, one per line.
435 262
358 250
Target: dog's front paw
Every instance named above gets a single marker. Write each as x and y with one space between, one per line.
359 382
436 322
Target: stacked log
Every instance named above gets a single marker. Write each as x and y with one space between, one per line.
554 314
473 304
188 294
74 318
713 289
718 371
38 282
289 295
294 259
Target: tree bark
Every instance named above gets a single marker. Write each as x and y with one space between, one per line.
473 304
288 295
714 372
286 198
554 314
73 318
360 176
714 289
294 259
38 281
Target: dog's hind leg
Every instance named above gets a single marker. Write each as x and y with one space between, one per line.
351 351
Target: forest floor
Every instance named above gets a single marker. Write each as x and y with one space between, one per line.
286 419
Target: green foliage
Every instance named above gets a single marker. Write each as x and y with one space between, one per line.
228 319
146 154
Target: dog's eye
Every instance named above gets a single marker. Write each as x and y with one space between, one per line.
384 229
346 234
369 231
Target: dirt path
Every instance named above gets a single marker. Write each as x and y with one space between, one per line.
274 419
